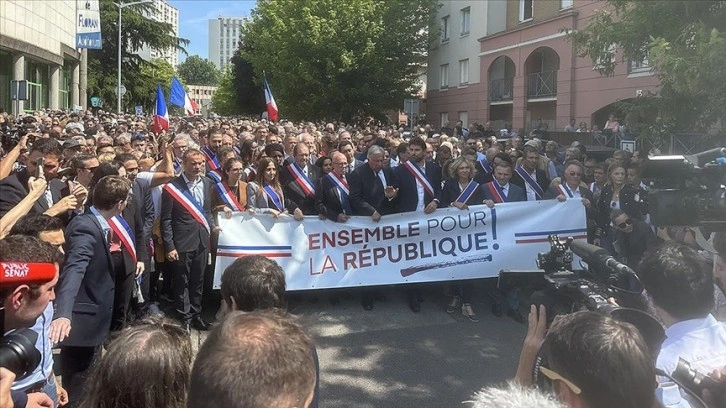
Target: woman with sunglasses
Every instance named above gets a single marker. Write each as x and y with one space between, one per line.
616 195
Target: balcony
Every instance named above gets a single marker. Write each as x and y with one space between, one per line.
501 89
542 85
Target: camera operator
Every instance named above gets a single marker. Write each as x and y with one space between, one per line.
680 291
24 303
591 359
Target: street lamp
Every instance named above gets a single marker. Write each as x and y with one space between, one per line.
122 6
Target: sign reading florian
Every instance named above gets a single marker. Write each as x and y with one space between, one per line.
88 27
449 244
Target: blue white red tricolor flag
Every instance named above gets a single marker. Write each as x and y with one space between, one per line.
179 97
161 118
269 251
270 101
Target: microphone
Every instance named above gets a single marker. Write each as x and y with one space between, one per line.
595 255
26 273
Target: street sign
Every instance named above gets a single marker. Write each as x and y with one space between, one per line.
95 101
139 110
19 90
122 88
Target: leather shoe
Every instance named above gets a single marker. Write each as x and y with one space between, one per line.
516 315
199 324
414 304
497 310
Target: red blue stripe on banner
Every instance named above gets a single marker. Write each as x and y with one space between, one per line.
543 236
269 251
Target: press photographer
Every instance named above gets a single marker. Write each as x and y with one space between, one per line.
29 275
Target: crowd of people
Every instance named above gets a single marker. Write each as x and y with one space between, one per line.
134 213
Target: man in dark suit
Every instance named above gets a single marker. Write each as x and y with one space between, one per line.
186 224
299 179
15 187
332 193
85 295
419 185
347 148
499 191
533 180
372 194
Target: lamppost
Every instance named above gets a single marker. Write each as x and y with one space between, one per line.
122 6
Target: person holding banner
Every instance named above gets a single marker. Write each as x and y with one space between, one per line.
533 180
461 191
419 184
186 225
265 196
332 194
299 178
231 193
572 188
500 191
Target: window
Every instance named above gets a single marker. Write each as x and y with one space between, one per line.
465 20
444 118
444 76
564 4
606 61
464 72
464 118
445 30
526 10
635 67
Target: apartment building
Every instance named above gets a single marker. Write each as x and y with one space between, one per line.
224 34
163 12
202 95
527 70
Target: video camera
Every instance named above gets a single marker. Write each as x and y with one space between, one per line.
688 190
17 349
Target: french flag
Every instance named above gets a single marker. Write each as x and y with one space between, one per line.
270 101
161 118
179 97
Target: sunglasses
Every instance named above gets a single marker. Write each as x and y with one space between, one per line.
554 376
625 223
573 174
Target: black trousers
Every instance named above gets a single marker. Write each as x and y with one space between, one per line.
75 363
122 294
188 283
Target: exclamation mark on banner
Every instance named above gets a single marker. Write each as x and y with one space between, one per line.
494 223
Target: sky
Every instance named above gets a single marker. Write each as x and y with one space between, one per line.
194 16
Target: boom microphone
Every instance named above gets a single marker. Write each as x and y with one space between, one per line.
19 273
595 255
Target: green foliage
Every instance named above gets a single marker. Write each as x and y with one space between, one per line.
339 59
224 101
196 70
249 94
136 74
683 41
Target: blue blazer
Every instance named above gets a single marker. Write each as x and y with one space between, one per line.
515 193
408 190
85 290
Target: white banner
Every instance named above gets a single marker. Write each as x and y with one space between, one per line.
450 244
88 24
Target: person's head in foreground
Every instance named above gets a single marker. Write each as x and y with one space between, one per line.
257 359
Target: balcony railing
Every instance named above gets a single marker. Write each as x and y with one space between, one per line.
501 89
542 84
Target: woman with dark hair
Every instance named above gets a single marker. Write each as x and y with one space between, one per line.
112 168
232 170
145 365
265 196
247 154
325 163
616 195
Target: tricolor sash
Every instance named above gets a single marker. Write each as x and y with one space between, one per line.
566 190
177 166
301 179
420 177
211 158
274 197
467 192
187 201
237 151
344 190
497 192
250 174
122 230
531 182
485 165
229 198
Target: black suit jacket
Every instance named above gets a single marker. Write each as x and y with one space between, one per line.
14 188
85 291
515 193
294 192
366 193
541 178
408 191
139 214
630 202
451 191
327 201
179 230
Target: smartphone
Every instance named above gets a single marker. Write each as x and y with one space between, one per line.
39 168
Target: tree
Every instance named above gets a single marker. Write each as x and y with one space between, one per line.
137 31
196 70
684 43
250 97
339 59
224 101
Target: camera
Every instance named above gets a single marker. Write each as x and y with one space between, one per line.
18 352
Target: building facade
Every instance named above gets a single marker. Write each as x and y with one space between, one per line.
37 44
202 96
528 71
162 12
224 34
